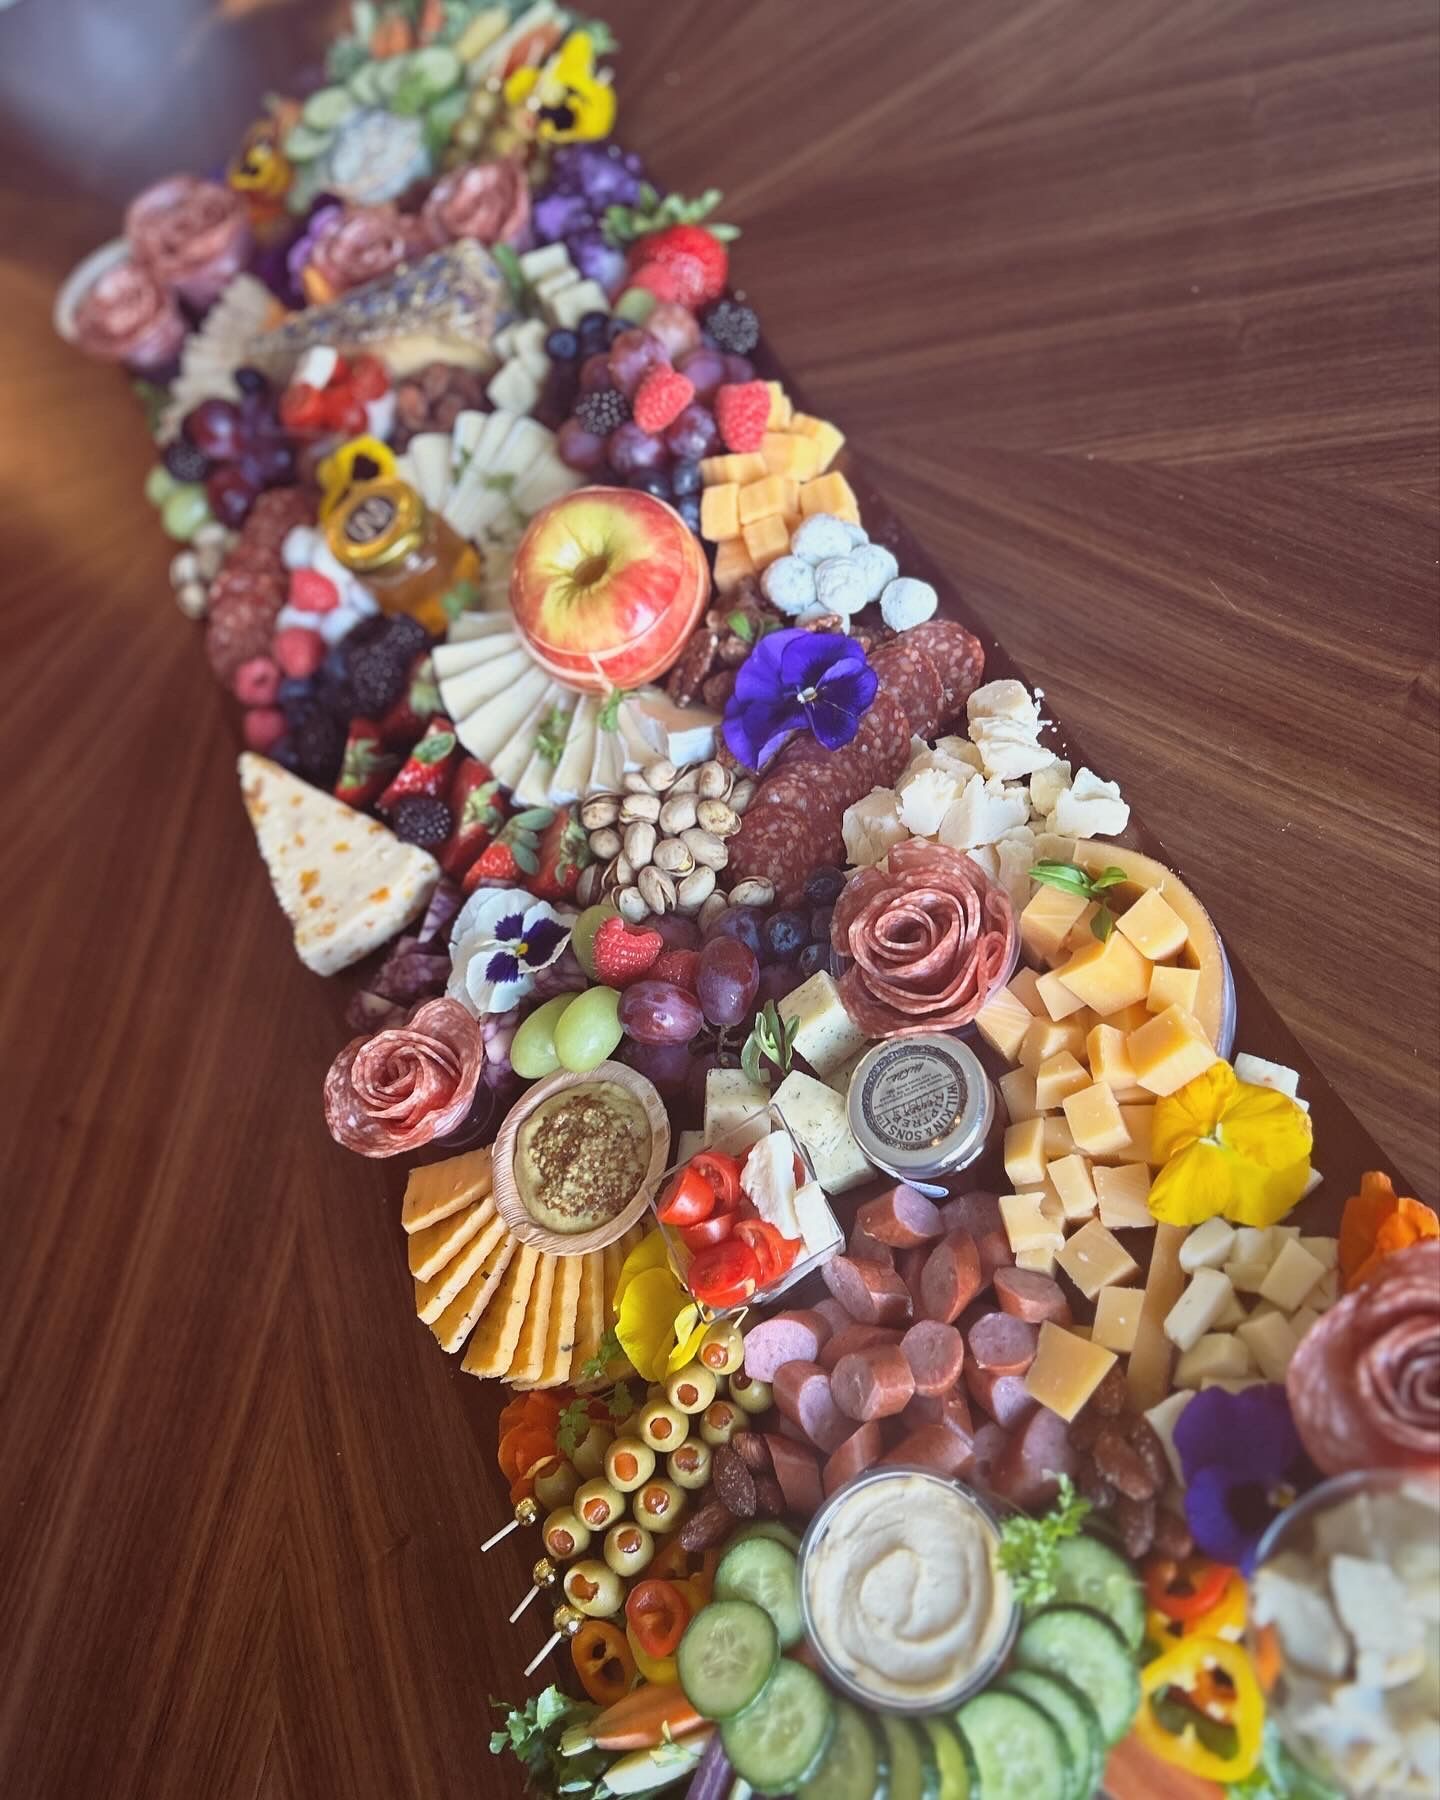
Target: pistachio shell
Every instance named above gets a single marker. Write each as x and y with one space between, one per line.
657 890
715 816
674 857
600 809
639 806
688 783
712 909
678 813
633 907
758 890
715 780
635 782
659 775
742 794
705 847
697 887
605 842
640 843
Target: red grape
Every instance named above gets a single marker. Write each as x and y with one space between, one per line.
213 427
667 1065
693 433
705 368
230 495
578 448
727 978
738 368
632 356
595 374
658 1012
632 451
741 923
675 327
676 931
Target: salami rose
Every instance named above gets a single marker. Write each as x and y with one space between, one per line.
931 937
193 235
1364 1384
399 1089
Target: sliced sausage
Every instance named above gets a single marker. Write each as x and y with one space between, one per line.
902 1218
1004 1397
832 1312
933 1447
798 1473
911 1265
990 1444
1029 1468
860 1451
863 1244
1027 1294
936 1354
1002 1345
874 1383
951 1277
856 1337
788 1337
979 1214
871 1292
802 1393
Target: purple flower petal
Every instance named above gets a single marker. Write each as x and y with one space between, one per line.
1250 1433
542 940
509 927
758 732
758 677
834 726
854 688
809 655
1227 1518
502 968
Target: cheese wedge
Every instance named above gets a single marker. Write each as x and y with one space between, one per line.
458 1319
529 1354
346 882
433 1296
436 1190
431 1248
493 1346
560 1329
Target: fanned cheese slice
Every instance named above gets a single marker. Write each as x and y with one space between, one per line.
458 1319
560 1326
493 1346
435 1245
512 761
464 695
346 882
433 1296
590 1310
489 728
472 625
529 1354
454 659
571 780
435 1190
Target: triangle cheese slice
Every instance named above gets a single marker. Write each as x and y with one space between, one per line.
436 1190
346 882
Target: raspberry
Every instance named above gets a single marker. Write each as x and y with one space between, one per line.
602 412
256 682
661 397
298 651
695 257
311 591
742 411
733 327
263 727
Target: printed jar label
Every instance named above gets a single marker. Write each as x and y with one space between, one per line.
913 1096
370 520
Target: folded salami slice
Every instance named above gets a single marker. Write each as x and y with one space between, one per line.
909 674
959 660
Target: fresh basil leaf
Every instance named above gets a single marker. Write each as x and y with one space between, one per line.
1107 878
1102 924
1061 875
742 627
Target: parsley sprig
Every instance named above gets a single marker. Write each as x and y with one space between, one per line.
1072 880
1029 1547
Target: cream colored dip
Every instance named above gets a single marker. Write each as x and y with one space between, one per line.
580 1156
903 1592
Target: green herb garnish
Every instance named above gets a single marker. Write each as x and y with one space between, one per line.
1028 1546
573 1428
624 224
1072 880
610 712
771 1038
550 739
535 1735
606 1352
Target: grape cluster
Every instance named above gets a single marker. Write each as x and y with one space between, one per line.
586 179
238 449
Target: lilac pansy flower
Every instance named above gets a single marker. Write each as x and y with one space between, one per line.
502 938
795 680
1243 1464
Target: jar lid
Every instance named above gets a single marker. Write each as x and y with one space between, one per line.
920 1104
376 524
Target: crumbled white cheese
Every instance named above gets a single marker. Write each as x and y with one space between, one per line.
1091 808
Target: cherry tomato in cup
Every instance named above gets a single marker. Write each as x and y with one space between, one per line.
726 1274
688 1199
774 1252
723 1174
709 1231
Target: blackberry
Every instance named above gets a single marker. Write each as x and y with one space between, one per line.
378 675
185 462
421 819
319 741
734 327
406 636
603 412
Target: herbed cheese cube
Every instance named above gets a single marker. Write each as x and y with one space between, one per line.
1208 1246
1270 1339
1057 999
1171 985
1197 1309
1093 1116
1153 926
1117 1318
1017 1089
1025 1152
1066 1370
1003 1021
1056 1077
1059 1140
1217 1356
1071 1178
1026 1224
1107 976
688 1144
817 1116
1094 1259
1259 1071
825 1035
736 1109
1292 1276
1124 1195
1169 1051
1047 920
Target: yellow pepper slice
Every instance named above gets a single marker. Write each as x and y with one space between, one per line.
1225 1619
1187 1666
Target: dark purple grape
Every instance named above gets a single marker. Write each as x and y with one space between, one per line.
813 958
704 368
230 495
213 427
785 934
676 931
820 923
738 368
675 327
595 373
776 981
693 433
578 448
688 507
727 977
685 477
251 381
562 346
822 888
667 1065
630 450
739 922
632 356
658 1012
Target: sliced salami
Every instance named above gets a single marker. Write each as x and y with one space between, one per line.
907 671
959 660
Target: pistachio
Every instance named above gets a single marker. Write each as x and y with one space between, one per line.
588 888
742 794
193 599
715 780
635 783
657 890
674 857
184 566
639 806
605 843
624 871
602 809
705 847
688 783
659 775
712 909
759 890
697 887
715 816
678 813
634 908
640 843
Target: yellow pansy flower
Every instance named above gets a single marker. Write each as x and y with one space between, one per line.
657 1323
689 1330
1228 1147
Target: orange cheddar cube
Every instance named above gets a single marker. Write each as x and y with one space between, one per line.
766 539
1067 1370
1071 1178
1058 1139
830 438
1055 997
1172 986
1025 1153
1124 1195
830 494
737 467
1117 1318
1140 1123
787 454
1106 976
732 564
1154 927
1109 1058
720 512
1094 1258
1047 1038
764 499
1024 985
1080 934
1003 1021
1017 1089
781 409
1130 1018
1056 1077
1093 1115
1171 1050
1046 922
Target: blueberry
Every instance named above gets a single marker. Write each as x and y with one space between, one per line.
688 507
252 381
650 483
685 476
813 958
786 934
613 329
820 924
283 751
823 887
593 322
562 346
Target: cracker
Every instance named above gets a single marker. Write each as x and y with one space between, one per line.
436 1190
433 1246
493 1345
458 1319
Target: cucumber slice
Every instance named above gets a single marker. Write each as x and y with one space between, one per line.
764 1571
1089 1573
324 110
1018 1753
914 1771
768 1528
726 1656
1074 1715
438 68
949 1758
364 84
1083 1648
854 1764
304 145
776 1743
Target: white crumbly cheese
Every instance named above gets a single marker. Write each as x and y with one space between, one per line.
1002 700
768 1182
816 1115
1047 785
1008 749
1016 851
981 815
1091 807
870 827
923 798
825 1035
1208 1246
735 1109
1283 1594
959 750
987 858
1217 1356
818 1225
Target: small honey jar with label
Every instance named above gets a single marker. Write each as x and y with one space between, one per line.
407 556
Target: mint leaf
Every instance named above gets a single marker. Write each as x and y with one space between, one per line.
1061 875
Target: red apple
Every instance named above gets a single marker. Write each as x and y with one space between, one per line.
608 585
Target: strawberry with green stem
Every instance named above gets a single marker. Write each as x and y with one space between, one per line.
415 708
429 767
477 803
564 851
513 854
366 765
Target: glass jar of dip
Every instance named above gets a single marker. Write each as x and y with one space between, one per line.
921 1108
407 556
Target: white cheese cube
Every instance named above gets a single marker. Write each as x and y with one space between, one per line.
768 1182
839 1078
1232 1384
736 1112
1117 1318
924 796
1291 1276
818 1225
1246 1277
1197 1309
1208 1246
1010 750
1233 1315
1163 1417
981 815
870 827
824 1033
1047 785
1271 1340
1326 1291
957 750
1002 700
1302 1319
1217 1356
1255 1244
816 1114
570 304
535 265
1091 807
688 1144
1260 1072
1037 1261
1325 1250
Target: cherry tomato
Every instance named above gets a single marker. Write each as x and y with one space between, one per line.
688 1199
723 1174
707 1231
774 1252
724 1275
657 1612
344 411
368 377
302 408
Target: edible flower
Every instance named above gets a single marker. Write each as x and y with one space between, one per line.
818 681
1243 1464
1188 1669
571 101
658 1325
1231 1148
500 941
1376 1223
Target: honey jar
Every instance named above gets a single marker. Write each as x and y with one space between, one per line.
407 556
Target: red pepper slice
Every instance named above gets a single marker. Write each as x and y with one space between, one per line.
1187 1590
657 1612
726 1274
688 1199
369 378
723 1174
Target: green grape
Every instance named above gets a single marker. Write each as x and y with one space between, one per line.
582 934
160 484
185 511
590 1029
532 1049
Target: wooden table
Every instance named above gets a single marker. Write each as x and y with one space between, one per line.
1131 309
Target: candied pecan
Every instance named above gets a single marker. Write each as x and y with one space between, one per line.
1172 1535
716 689
1086 1429
1135 1521
1118 1462
733 649
1110 1397
1093 1485
1145 1441
682 684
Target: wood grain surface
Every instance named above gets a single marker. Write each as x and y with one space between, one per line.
1131 312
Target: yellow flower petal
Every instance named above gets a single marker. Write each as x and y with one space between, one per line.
689 1330
1194 1184
1229 1147
646 1327
1264 1196
649 1253
1266 1127
1193 1111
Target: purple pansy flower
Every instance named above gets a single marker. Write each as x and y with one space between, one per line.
796 681
1243 1463
502 938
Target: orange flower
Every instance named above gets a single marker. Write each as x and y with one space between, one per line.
1376 1223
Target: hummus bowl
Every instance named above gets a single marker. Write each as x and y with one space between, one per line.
902 1593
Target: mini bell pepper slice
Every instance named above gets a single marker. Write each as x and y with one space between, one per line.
1225 1619
1187 1667
656 1613
661 1671
1185 1590
603 1661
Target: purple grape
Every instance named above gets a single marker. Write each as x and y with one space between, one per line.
693 433
578 448
596 260
676 931
230 495
727 978
658 1012
823 885
776 981
705 368
739 922
605 174
738 368
667 1065
595 373
632 356
785 935
632 451
213 427
675 327
556 216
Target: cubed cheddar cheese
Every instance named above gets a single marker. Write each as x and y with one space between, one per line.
1106 976
830 493
1094 1258
829 437
1055 997
1153 926
787 453
1124 1196
1047 1038
1056 1077
733 563
739 467
782 410
1109 1059
1039 1261
1117 1318
1025 986
1059 1140
767 498
766 540
1140 1125
1170 985
1130 1018
824 1032
1093 1115
1217 1356
1026 1224
1003 1021
1070 1176
1046 921
1291 1277
1171 1050
1270 1338
1206 1296
1067 1370
720 512
1017 1089
1081 932
1025 1153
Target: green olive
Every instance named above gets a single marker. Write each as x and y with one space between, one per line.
720 1421
628 1462
692 1388
588 1455
689 1466
722 1349
662 1427
752 1396
593 1588
566 1534
598 1504
659 1504
555 1482
628 1547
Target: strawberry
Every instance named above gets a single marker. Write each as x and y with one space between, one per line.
477 803
415 708
656 279
622 954
680 967
742 411
564 851
696 258
429 767
365 766
660 398
513 854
